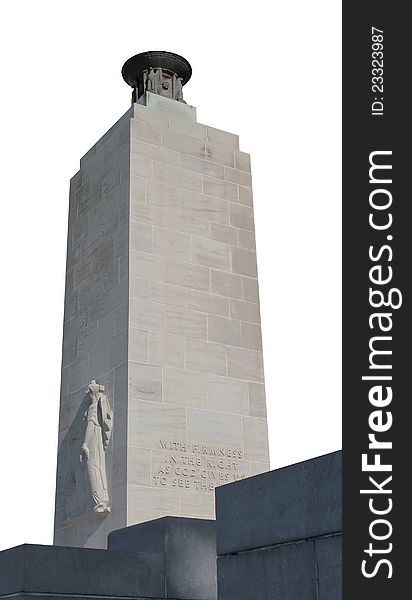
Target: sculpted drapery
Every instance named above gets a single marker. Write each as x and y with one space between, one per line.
99 422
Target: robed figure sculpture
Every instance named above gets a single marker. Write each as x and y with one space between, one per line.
99 422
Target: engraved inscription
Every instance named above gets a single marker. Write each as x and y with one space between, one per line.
195 466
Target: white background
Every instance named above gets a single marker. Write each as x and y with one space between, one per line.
269 71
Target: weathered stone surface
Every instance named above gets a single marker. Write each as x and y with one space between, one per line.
202 166
165 293
238 176
159 193
214 427
186 144
209 253
145 382
245 311
186 275
245 196
186 223
167 105
151 115
284 538
95 334
208 303
242 217
224 331
147 214
141 237
171 244
247 239
286 572
220 189
81 572
183 322
167 419
146 266
147 315
310 505
182 125
250 289
251 336
151 499
226 284
138 189
220 153
194 504
185 388
242 161
227 395
258 468
188 549
140 167
161 290
223 137
138 345
224 233
166 350
205 357
146 132
206 207
138 465
162 155
257 400
244 262
244 364
255 439
329 567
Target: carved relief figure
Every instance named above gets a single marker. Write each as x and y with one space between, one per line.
145 84
158 81
99 421
179 89
151 80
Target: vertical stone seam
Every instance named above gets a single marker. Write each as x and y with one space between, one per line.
128 312
165 555
248 400
316 571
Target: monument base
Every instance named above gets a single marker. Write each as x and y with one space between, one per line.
99 513
278 536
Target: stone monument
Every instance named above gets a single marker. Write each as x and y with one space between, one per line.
162 387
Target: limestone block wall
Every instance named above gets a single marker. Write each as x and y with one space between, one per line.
197 409
162 308
95 332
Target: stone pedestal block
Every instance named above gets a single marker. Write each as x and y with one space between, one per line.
56 572
188 549
293 503
279 533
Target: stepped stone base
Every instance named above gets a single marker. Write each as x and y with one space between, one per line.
277 535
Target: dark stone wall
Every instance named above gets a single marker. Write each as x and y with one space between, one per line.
279 533
168 558
188 549
59 570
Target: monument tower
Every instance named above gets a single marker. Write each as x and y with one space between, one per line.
162 387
